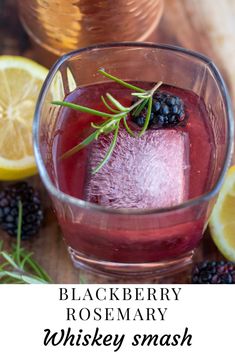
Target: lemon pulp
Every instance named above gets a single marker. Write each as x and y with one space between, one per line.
222 221
20 82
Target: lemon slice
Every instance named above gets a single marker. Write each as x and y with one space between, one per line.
20 82
222 221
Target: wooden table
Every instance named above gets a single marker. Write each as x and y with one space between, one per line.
207 26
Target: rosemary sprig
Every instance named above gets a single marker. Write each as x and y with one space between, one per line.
121 82
117 113
18 266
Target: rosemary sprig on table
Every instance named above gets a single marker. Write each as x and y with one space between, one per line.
117 113
18 266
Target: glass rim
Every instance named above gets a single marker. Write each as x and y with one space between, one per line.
60 195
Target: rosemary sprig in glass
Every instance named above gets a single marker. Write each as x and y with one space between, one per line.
117 113
18 266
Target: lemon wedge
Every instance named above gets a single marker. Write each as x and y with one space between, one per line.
222 221
20 82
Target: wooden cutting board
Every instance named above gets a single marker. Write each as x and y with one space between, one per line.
207 26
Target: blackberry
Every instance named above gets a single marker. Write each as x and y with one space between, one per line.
214 272
31 207
167 111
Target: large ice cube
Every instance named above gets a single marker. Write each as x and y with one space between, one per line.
146 172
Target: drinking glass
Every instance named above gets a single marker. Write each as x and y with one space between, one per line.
134 243
63 25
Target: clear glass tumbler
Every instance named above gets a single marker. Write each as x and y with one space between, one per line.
63 25
129 242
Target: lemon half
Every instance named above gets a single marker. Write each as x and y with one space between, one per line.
20 82
222 221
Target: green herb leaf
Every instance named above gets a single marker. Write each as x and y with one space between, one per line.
108 106
147 118
82 109
140 107
121 82
114 118
130 132
19 226
109 152
19 267
81 145
22 277
116 103
9 259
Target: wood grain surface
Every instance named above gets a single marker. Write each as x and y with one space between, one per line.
207 26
